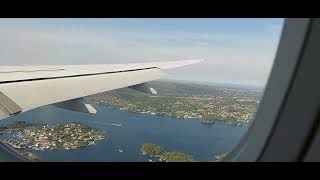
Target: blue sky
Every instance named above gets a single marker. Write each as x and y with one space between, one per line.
238 51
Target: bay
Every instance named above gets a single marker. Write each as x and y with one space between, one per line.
127 131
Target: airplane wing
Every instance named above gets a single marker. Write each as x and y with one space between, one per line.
23 88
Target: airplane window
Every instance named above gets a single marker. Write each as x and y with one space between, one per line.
193 113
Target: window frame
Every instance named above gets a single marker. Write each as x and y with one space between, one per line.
256 140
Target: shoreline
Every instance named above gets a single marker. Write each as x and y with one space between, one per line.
238 123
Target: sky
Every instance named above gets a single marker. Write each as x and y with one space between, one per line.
237 51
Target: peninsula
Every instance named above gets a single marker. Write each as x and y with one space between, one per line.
38 136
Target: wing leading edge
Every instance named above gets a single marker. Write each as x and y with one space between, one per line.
23 88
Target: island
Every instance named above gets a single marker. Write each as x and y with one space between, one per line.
151 149
155 151
206 103
39 136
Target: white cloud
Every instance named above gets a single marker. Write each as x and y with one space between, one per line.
230 57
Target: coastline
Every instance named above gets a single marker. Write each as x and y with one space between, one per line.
154 129
237 123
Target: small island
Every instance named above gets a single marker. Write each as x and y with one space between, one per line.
154 150
151 149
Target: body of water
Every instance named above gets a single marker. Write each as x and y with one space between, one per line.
127 131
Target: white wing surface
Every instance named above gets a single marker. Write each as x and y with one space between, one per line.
27 87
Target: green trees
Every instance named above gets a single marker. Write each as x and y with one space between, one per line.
155 150
176 157
186 100
151 149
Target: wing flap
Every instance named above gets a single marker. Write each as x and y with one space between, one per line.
10 106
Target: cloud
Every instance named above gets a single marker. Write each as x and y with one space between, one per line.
231 57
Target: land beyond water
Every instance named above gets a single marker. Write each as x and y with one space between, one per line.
206 103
